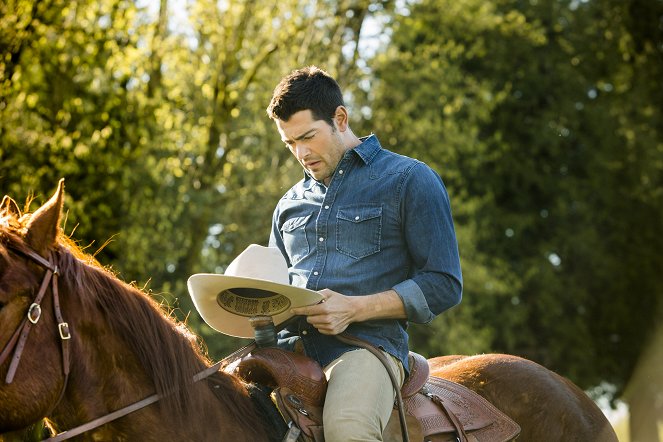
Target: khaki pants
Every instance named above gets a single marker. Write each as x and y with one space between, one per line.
359 397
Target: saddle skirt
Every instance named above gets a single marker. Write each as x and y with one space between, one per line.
436 409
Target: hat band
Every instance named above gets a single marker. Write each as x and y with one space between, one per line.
251 302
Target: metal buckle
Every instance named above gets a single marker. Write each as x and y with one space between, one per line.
63 327
35 309
299 406
292 435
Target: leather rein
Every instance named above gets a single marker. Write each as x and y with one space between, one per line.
20 336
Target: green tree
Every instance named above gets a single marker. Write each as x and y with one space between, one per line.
156 119
549 140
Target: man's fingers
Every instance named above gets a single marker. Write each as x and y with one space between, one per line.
298 311
310 309
328 315
306 311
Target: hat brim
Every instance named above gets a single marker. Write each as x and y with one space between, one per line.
227 302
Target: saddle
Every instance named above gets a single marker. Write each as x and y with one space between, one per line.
435 409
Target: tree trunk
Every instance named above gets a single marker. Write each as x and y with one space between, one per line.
644 393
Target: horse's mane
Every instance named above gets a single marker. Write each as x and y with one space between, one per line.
168 351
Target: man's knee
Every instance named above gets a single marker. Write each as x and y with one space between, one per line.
359 397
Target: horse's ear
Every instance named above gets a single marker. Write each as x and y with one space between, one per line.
44 223
9 207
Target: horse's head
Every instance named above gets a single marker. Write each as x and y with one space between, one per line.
76 343
31 374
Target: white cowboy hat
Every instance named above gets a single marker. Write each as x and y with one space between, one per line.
255 283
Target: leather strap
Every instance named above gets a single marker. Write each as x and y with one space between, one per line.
32 317
65 336
20 336
148 400
353 340
460 432
126 410
12 342
36 257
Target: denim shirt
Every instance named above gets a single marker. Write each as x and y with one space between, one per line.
384 222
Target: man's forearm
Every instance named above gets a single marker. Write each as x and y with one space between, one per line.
383 305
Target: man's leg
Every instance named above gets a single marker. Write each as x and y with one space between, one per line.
359 397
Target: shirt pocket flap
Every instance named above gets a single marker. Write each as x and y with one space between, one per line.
294 223
359 214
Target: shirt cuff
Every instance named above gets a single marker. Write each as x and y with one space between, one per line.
416 306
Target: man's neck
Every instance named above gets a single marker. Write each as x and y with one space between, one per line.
350 140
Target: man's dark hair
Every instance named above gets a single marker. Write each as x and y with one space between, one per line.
306 88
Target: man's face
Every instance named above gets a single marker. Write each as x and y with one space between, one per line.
317 146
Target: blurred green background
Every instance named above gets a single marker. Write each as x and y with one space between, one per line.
544 118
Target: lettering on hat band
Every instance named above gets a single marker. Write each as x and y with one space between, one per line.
250 302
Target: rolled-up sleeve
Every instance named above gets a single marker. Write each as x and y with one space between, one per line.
435 283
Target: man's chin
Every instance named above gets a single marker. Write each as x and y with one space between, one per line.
316 175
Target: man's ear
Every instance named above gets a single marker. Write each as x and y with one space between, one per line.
44 223
341 118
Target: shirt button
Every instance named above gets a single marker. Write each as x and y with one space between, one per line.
356 218
340 172
326 207
304 332
316 273
321 239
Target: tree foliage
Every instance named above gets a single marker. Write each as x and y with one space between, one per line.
543 118
157 122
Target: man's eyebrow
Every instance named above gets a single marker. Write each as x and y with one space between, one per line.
304 135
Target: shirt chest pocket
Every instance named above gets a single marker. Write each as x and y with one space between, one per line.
294 238
359 230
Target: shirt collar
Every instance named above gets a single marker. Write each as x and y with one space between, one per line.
368 149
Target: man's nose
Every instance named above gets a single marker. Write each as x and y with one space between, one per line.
301 150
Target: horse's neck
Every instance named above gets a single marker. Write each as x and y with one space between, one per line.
236 419
104 377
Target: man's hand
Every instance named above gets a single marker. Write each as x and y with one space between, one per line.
336 312
331 316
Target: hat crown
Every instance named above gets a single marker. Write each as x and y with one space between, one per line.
259 262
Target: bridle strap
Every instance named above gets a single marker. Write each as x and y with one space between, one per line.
148 400
126 410
20 336
11 344
65 335
21 333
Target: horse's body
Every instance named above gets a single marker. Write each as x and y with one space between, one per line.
124 347
547 406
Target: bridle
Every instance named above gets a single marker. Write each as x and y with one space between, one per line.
20 336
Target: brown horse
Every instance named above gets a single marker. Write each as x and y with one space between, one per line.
98 344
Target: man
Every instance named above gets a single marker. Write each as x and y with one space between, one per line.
372 232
